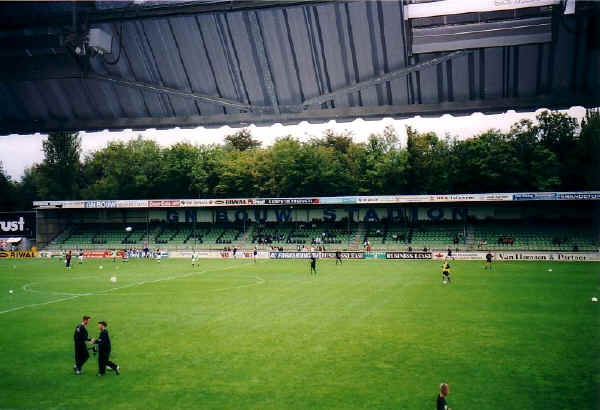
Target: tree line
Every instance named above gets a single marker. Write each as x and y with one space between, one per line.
553 153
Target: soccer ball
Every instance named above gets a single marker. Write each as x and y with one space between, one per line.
594 299
101 267
129 229
549 270
113 279
10 292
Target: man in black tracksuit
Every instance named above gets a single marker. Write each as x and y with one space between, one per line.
103 342
81 350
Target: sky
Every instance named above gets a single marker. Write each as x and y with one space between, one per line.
18 152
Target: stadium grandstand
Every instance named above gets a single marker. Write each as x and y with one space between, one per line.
565 222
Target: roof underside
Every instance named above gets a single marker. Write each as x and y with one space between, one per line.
214 63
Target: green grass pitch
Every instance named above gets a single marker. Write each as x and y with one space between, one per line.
242 335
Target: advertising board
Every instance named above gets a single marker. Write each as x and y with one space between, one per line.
320 255
408 255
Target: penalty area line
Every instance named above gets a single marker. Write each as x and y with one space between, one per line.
75 296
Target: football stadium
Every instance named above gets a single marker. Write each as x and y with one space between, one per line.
374 204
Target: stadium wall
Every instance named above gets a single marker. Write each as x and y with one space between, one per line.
391 256
327 214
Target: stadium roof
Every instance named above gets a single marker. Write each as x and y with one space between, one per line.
213 63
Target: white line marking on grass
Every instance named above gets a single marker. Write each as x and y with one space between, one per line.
38 304
75 296
260 282
27 288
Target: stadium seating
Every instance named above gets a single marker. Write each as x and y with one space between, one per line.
438 235
534 235
382 236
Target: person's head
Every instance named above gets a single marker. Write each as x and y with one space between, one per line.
102 325
86 320
444 389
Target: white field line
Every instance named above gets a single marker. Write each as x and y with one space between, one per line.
38 304
260 282
26 287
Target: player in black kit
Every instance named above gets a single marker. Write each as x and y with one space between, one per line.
338 257
441 398
81 351
488 261
313 265
104 348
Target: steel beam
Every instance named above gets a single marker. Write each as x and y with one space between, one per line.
177 92
402 72
138 12
259 44
398 111
157 88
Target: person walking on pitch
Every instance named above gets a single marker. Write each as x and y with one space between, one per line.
488 261
441 397
313 265
81 351
446 272
338 257
104 348
68 260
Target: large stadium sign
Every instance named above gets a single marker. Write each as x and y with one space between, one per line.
341 200
408 255
15 224
319 255
22 254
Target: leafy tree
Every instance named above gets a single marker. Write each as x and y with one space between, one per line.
206 171
177 171
27 188
241 141
343 153
60 170
125 170
384 164
588 150
558 132
549 154
427 162
483 164
239 174
538 168
7 191
340 143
